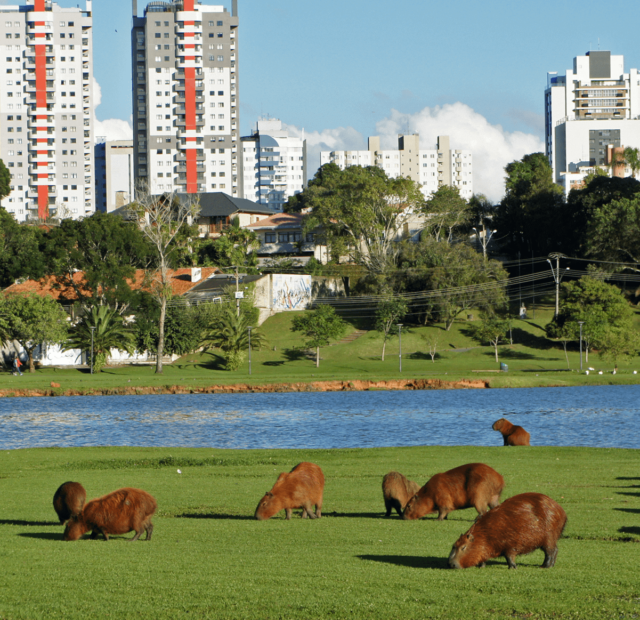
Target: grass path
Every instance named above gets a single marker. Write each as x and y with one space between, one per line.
210 559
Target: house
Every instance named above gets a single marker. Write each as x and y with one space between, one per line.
281 235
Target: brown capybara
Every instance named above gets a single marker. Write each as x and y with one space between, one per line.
521 524
302 487
397 490
512 435
68 500
119 512
475 484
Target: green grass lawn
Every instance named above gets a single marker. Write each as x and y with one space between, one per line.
533 360
210 559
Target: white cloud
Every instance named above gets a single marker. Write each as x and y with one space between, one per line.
111 128
491 146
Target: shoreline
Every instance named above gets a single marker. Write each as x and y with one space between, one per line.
355 385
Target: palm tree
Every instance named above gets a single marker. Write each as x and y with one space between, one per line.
632 160
109 332
230 333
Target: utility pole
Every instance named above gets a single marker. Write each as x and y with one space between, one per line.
557 276
237 291
581 323
400 342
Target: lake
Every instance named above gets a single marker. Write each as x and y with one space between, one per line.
599 416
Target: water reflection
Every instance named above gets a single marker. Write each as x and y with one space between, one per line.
589 416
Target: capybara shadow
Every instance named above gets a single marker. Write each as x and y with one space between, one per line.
397 490
116 513
214 515
474 485
355 515
520 525
411 561
41 535
302 487
630 530
512 435
22 523
68 500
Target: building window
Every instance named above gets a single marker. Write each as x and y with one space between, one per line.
270 237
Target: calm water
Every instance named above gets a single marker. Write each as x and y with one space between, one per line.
586 416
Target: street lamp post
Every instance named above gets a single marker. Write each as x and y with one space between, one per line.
93 329
581 323
486 239
249 328
557 277
400 341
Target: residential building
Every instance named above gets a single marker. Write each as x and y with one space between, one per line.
185 97
46 109
114 174
429 167
274 164
593 106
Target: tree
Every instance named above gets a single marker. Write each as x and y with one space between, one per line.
161 219
230 333
362 214
33 321
109 332
564 333
616 344
20 255
235 246
446 211
491 329
531 215
319 326
431 340
5 181
388 313
632 160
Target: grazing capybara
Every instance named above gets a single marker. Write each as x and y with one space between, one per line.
119 512
475 484
521 524
302 487
68 500
397 491
512 435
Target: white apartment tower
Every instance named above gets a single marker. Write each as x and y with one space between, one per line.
274 164
591 107
431 168
185 97
46 106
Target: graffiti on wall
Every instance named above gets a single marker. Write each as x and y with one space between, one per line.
290 292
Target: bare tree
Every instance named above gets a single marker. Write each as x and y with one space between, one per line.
160 219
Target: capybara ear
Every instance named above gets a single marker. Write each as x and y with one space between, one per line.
470 537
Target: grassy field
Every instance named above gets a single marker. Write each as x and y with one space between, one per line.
533 360
210 559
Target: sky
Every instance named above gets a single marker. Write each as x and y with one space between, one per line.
342 70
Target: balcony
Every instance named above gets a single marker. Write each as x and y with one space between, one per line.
182 125
180 158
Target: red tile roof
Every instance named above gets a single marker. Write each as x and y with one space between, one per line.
278 220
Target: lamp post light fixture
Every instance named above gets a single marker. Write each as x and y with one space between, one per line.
400 342
581 323
486 239
93 329
249 328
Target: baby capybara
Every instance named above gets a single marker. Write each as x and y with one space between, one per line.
475 484
302 487
68 500
512 435
119 512
397 490
521 524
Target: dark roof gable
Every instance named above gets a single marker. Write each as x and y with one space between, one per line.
214 204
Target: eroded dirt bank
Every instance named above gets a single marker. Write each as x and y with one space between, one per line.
245 388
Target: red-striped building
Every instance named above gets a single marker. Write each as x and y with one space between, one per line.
185 97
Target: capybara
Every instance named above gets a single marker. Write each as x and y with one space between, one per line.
397 490
302 487
475 484
521 524
119 512
68 500
512 435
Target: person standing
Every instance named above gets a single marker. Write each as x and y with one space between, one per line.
16 364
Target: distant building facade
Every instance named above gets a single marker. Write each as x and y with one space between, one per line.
274 164
46 109
431 168
591 110
115 182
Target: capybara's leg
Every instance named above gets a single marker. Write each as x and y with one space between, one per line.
389 506
94 534
505 441
106 536
304 514
396 504
149 529
495 501
510 557
481 508
481 565
288 512
443 512
549 557
319 508
138 533
308 509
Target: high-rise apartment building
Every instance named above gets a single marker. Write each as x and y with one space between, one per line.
274 164
429 167
185 97
114 174
592 108
46 109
